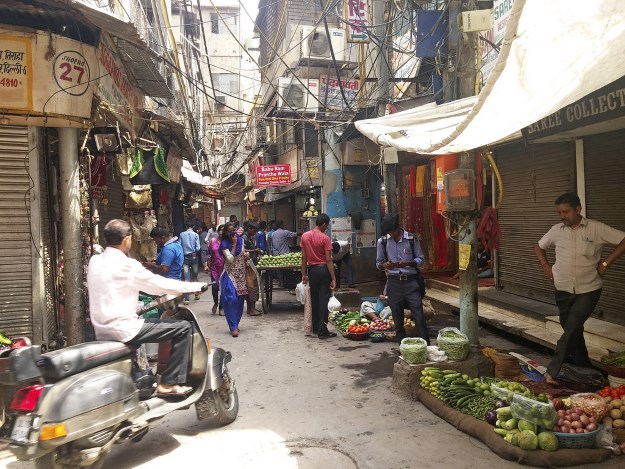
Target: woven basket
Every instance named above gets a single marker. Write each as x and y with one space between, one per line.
577 440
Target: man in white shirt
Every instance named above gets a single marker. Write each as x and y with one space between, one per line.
576 275
114 282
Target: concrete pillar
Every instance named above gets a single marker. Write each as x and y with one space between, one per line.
72 240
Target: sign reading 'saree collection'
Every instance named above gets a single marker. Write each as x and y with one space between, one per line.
273 175
604 104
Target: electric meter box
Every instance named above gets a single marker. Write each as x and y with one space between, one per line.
460 190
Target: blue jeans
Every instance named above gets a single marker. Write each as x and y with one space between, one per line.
190 269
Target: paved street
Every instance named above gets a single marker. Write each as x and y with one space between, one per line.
308 403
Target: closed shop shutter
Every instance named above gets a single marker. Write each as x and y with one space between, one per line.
115 197
16 247
604 169
533 177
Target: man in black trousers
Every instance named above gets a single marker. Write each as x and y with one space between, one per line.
400 255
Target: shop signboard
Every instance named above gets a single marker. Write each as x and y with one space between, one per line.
330 92
116 89
492 40
63 82
357 13
273 175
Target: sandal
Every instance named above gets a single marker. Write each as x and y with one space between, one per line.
175 391
234 333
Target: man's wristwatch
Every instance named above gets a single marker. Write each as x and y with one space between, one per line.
604 264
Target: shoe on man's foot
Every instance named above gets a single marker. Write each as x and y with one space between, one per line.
185 302
326 335
197 297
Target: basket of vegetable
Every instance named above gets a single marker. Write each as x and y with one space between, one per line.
413 350
614 364
358 332
577 440
377 336
454 343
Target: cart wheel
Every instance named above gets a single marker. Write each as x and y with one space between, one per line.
263 291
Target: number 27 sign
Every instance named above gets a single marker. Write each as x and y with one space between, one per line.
71 72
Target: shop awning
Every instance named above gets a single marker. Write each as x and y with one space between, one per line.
553 54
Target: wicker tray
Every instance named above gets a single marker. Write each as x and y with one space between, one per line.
577 440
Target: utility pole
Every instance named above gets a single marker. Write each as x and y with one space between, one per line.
469 319
382 30
72 240
464 77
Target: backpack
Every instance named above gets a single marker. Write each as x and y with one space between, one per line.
420 279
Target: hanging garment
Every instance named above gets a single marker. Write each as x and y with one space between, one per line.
149 167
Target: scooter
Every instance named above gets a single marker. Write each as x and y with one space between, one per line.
70 406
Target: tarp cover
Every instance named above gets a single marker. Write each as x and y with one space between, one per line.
553 54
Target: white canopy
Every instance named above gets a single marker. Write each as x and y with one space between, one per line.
554 53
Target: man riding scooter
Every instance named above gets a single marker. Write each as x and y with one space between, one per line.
114 281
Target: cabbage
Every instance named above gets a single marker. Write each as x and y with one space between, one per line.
525 425
528 440
547 441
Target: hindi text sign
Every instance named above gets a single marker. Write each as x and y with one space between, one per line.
16 72
273 175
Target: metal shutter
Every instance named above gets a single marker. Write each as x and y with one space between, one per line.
15 250
533 177
604 167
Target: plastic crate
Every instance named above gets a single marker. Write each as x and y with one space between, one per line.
577 440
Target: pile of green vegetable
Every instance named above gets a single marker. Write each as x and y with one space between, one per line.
615 359
343 320
468 395
454 343
522 433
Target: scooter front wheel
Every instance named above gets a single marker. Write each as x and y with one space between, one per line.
221 405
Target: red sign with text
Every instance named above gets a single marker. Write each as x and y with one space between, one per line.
273 175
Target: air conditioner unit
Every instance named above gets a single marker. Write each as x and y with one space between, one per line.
298 95
315 44
220 99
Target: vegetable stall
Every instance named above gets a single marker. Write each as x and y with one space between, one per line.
528 422
287 266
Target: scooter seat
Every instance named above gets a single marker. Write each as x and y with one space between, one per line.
69 361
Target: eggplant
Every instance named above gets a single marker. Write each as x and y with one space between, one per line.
499 404
344 310
490 417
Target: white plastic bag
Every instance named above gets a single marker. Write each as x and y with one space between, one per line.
334 304
300 293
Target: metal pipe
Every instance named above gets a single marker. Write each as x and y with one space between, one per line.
72 241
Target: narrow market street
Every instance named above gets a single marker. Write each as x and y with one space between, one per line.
308 403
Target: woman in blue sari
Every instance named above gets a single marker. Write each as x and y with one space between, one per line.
233 286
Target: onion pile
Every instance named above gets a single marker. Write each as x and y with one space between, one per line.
574 420
379 325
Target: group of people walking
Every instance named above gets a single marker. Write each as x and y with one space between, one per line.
226 253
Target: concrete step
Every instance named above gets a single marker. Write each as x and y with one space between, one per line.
513 323
598 333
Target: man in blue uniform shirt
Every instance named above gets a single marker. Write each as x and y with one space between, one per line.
400 255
